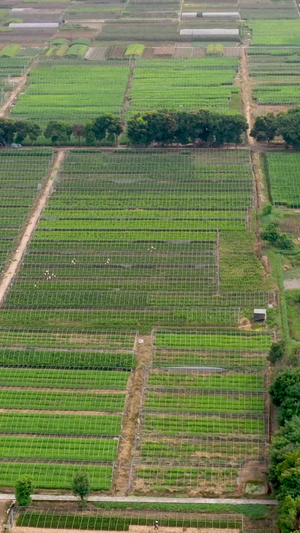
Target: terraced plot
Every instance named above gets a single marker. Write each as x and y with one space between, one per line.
22 175
204 412
89 91
185 84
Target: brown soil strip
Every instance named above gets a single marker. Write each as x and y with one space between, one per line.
122 475
246 85
5 108
15 262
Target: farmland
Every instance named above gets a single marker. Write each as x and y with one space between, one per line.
283 173
129 258
49 96
199 427
276 75
183 84
127 342
21 176
128 263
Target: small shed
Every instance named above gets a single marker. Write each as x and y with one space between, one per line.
259 315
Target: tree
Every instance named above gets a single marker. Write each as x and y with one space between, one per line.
280 388
81 486
264 128
229 129
276 352
7 131
287 511
288 475
24 128
58 131
78 131
138 130
288 126
24 489
272 235
106 124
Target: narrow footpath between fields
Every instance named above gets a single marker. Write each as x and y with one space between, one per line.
131 422
144 499
15 261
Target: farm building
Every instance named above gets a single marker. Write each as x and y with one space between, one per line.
33 25
229 15
259 315
211 34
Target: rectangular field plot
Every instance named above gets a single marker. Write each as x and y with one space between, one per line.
55 419
277 75
268 9
283 172
127 520
204 416
73 91
272 33
21 177
138 246
184 84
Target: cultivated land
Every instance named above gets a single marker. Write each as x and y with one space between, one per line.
127 346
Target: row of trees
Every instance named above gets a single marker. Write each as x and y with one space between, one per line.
161 127
59 132
184 127
286 124
285 447
80 487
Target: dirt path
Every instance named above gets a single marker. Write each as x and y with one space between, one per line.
12 269
122 476
246 85
5 108
144 499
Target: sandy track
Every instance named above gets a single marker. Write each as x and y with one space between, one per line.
132 529
17 257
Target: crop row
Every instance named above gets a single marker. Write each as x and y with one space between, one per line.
64 379
228 381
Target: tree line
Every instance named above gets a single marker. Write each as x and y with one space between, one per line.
286 125
285 446
143 129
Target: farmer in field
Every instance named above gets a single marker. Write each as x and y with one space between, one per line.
156 524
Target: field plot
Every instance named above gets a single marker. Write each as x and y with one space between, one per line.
21 176
277 75
138 246
137 521
204 411
142 9
129 31
283 173
61 409
268 9
184 84
272 33
74 91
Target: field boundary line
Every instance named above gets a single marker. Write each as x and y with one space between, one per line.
16 258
